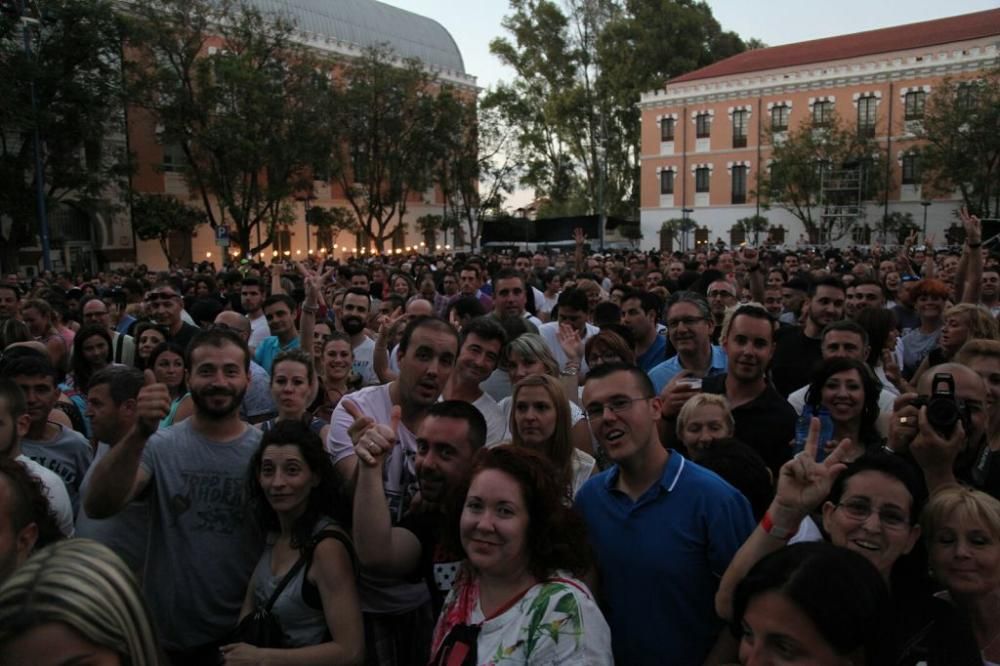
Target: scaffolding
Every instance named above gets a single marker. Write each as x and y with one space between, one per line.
841 195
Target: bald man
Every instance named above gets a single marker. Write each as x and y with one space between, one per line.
961 456
258 405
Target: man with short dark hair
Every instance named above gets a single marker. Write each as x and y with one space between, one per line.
447 440
470 279
640 314
25 521
64 451
764 419
280 312
96 311
797 349
258 404
663 528
112 409
573 309
202 550
868 293
482 341
510 296
721 296
252 302
10 297
689 325
427 352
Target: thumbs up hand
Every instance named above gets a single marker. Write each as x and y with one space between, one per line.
152 404
374 445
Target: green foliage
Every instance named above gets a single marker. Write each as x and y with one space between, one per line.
74 69
157 217
961 126
581 65
248 116
799 160
896 225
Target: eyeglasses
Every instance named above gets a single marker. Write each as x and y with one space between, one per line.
860 510
595 411
721 294
687 322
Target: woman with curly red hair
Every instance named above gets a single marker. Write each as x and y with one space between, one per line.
517 598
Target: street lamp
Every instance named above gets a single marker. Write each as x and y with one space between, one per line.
926 204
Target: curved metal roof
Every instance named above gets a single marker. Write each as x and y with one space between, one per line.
369 23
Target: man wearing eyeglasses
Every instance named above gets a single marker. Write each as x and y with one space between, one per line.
165 306
95 311
689 327
721 295
664 529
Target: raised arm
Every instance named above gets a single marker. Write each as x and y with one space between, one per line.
751 259
118 477
381 547
971 286
803 484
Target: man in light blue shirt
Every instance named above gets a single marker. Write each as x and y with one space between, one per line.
280 312
689 325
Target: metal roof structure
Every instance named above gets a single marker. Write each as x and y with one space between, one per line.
365 23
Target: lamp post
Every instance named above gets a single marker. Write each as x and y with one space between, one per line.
305 199
926 204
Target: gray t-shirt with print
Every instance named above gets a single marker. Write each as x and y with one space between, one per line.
68 455
202 549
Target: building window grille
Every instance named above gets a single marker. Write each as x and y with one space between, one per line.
740 184
822 113
913 105
667 129
779 118
703 126
666 182
867 115
702 179
740 119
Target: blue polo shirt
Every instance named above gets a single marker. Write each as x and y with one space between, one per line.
664 372
654 355
660 559
269 348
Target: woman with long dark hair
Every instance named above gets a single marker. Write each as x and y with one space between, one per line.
92 351
848 390
294 498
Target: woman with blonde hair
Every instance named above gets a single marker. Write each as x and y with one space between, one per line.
703 419
540 420
962 529
71 601
962 322
528 355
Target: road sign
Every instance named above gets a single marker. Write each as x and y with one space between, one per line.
222 236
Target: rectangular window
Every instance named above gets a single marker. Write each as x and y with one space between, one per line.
867 115
702 179
779 118
174 158
740 184
913 105
911 170
703 126
667 129
740 118
822 113
965 95
666 182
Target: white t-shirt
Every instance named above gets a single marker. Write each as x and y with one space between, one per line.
549 333
363 365
495 423
259 331
544 303
55 491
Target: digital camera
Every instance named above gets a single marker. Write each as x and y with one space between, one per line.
944 410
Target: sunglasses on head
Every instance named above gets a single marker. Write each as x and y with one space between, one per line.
160 296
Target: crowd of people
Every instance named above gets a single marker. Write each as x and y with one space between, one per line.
752 455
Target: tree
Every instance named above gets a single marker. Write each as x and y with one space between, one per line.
961 126
158 217
386 124
809 157
74 75
243 100
581 65
329 222
754 226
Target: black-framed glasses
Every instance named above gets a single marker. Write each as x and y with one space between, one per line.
859 510
595 411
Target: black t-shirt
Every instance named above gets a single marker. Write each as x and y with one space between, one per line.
438 567
184 335
766 423
795 358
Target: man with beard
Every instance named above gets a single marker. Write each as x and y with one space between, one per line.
353 317
280 312
478 355
798 348
202 550
764 419
258 405
165 306
10 297
111 407
252 301
398 616
641 314
447 440
14 424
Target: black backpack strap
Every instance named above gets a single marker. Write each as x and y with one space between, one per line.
284 583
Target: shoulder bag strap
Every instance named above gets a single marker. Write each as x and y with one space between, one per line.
284 583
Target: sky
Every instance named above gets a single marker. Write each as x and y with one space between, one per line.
473 23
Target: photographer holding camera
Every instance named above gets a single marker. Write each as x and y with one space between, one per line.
944 427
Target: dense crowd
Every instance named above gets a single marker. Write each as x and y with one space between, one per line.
763 455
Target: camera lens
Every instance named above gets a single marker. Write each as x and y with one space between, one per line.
943 414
